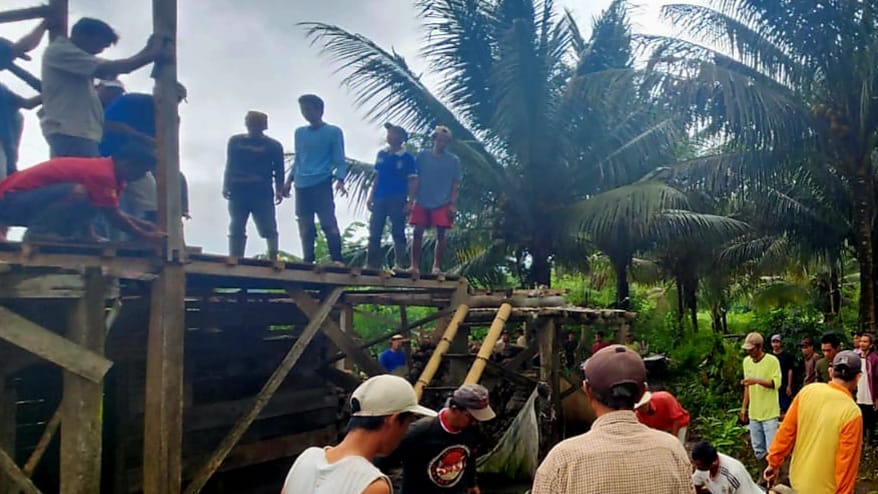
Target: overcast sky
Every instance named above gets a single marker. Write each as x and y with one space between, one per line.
235 56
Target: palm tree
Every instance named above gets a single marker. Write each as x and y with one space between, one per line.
537 127
787 84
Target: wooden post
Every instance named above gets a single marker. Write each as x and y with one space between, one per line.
82 399
163 417
407 333
346 324
59 12
8 396
550 363
265 394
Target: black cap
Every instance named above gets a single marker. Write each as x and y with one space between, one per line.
397 128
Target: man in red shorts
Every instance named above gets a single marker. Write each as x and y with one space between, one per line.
58 200
436 190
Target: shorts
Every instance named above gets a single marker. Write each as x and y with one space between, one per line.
439 218
21 207
61 145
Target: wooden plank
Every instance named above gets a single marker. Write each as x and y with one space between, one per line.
8 398
344 341
265 394
60 13
24 14
129 268
346 324
8 466
26 285
52 347
82 399
163 424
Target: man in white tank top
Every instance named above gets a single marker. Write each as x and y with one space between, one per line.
381 410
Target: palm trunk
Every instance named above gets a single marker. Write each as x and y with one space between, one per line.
690 289
620 267
834 291
862 190
681 307
540 270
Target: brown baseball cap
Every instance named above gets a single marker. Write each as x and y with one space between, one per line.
752 341
612 366
476 400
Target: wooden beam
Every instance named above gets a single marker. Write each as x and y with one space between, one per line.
344 341
60 13
25 14
550 365
82 399
8 409
265 394
346 324
56 349
129 268
163 424
8 466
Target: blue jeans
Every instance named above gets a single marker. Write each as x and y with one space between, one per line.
761 436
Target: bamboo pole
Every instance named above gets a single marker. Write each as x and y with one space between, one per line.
475 372
441 350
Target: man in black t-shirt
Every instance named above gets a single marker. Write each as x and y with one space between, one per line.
787 364
254 162
438 455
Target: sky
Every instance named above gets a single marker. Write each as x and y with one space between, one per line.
237 56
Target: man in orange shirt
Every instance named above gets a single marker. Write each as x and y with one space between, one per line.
660 410
825 427
57 200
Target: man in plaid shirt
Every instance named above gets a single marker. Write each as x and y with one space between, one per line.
618 455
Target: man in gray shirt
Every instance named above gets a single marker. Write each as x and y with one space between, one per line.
436 191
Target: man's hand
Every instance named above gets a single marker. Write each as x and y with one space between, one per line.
452 210
155 235
278 197
790 390
742 416
875 405
340 188
227 194
770 475
474 490
288 189
748 381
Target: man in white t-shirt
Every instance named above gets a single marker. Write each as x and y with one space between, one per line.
716 473
381 410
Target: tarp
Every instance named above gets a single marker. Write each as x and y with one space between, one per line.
516 454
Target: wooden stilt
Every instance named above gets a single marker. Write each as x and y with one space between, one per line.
81 403
8 398
550 365
11 470
59 12
346 324
265 394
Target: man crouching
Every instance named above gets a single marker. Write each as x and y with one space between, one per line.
58 200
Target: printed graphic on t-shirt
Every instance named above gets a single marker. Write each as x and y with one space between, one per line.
446 469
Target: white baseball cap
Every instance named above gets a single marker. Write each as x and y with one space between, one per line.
386 394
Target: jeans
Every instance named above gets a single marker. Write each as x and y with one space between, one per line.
383 208
256 200
318 200
761 436
61 145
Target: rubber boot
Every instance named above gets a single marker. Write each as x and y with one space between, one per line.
237 245
272 248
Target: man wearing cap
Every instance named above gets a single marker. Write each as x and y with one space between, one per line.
391 197
58 199
382 408
393 359
661 411
809 361
787 363
829 346
72 116
438 455
254 162
436 191
618 455
319 160
761 382
130 117
867 389
824 430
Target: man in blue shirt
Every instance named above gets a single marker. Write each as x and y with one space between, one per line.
391 196
393 359
319 158
255 161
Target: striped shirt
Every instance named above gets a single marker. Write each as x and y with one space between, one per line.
824 430
618 455
732 478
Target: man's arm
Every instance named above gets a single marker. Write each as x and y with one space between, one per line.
338 157
228 171
745 403
789 390
32 39
379 486
154 50
296 158
455 192
134 226
784 441
278 172
184 197
847 456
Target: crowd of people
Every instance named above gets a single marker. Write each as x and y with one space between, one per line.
91 123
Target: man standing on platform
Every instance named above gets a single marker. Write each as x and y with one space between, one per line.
760 405
254 162
829 345
319 160
391 197
436 194
72 116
